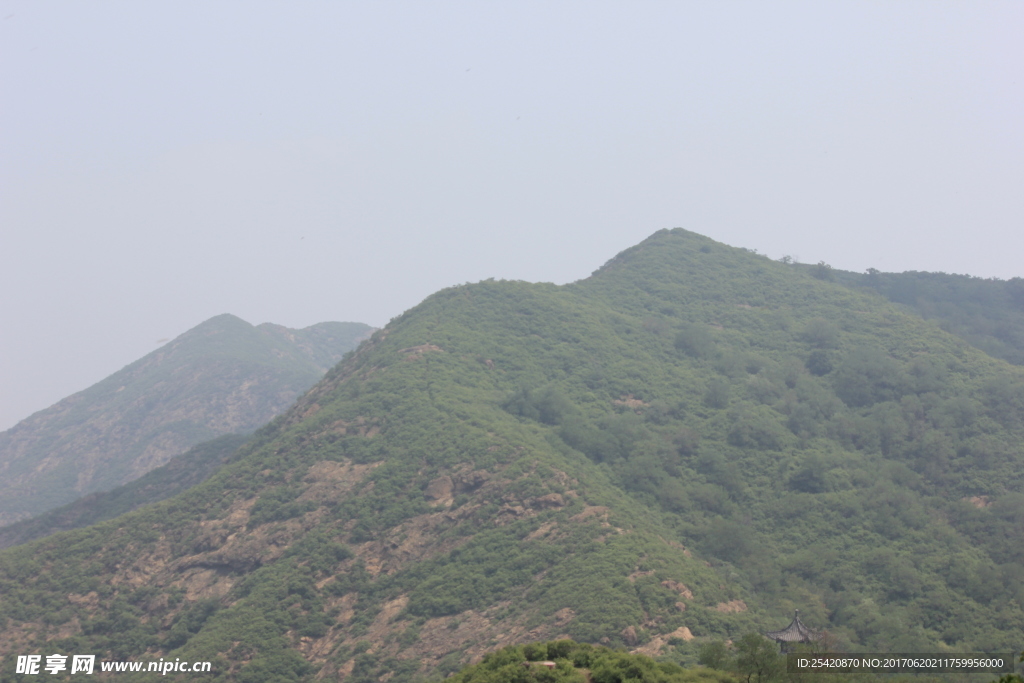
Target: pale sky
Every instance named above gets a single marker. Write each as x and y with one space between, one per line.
164 162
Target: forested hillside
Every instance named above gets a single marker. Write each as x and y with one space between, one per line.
223 376
685 446
564 661
987 313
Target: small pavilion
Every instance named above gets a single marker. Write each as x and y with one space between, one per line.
796 632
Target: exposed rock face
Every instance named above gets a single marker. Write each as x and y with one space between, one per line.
551 500
677 587
440 490
731 607
658 643
223 376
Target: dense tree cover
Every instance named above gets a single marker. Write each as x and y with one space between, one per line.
695 437
577 663
751 659
987 313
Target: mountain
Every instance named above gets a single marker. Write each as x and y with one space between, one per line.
180 473
684 447
220 377
986 313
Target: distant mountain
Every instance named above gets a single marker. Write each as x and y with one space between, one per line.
682 448
180 473
986 313
223 376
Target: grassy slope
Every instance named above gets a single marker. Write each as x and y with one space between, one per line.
222 376
512 462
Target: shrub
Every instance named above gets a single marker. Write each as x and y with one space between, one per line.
695 341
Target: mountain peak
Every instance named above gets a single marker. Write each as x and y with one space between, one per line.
221 376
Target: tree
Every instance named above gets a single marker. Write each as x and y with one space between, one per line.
714 655
695 341
823 271
717 394
757 659
821 334
1011 678
819 363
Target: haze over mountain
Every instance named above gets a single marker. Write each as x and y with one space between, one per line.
223 376
867 134
178 474
687 445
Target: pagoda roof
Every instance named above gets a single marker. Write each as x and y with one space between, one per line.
796 632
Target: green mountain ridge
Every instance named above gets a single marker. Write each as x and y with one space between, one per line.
220 377
685 446
986 313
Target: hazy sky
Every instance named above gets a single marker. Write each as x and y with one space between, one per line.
164 162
